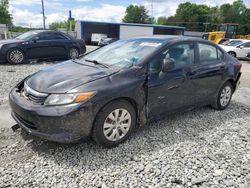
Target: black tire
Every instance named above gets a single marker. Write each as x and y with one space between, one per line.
15 56
98 129
233 54
73 53
218 104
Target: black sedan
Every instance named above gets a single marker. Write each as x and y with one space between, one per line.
110 91
40 44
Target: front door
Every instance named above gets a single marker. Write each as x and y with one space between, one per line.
42 47
171 90
243 49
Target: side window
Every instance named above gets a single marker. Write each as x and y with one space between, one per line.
208 53
59 36
220 55
182 54
246 45
46 36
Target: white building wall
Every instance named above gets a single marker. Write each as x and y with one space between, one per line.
127 31
78 29
3 31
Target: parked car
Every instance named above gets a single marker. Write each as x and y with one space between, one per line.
236 47
97 37
104 42
110 91
40 44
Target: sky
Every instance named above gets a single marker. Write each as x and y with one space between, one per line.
27 13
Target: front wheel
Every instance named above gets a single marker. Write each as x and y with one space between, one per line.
233 54
15 56
114 123
224 96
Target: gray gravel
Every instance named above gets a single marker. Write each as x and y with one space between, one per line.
203 147
11 75
199 148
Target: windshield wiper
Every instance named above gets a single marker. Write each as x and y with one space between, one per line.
96 63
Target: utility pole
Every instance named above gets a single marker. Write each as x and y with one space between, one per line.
70 21
43 16
152 8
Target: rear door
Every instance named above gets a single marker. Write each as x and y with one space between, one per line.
208 74
171 90
60 45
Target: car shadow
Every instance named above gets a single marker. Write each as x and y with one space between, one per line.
165 134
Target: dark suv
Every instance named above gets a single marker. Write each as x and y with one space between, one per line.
110 91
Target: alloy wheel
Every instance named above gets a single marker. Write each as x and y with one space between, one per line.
16 56
117 124
225 96
74 53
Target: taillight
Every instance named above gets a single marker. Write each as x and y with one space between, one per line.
239 66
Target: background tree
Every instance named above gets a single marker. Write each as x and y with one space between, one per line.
19 29
66 24
5 16
194 16
162 20
137 14
237 12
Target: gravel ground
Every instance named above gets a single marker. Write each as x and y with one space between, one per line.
11 75
199 148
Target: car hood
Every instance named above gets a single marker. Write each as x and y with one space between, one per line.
66 76
10 41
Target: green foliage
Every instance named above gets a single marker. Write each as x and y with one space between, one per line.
66 24
194 16
19 29
162 20
137 14
236 13
5 17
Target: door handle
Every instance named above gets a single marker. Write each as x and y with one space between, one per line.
173 87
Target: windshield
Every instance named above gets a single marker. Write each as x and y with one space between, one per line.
124 53
27 36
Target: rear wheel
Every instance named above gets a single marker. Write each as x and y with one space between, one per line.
233 54
73 53
15 56
224 96
114 123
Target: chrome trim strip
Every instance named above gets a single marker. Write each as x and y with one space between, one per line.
31 91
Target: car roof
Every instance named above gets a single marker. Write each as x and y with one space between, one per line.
176 38
242 40
41 31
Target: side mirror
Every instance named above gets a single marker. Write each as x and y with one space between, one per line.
241 47
35 39
168 64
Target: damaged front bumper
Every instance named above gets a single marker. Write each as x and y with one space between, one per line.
64 124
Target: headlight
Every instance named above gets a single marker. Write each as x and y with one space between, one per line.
62 99
1 46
